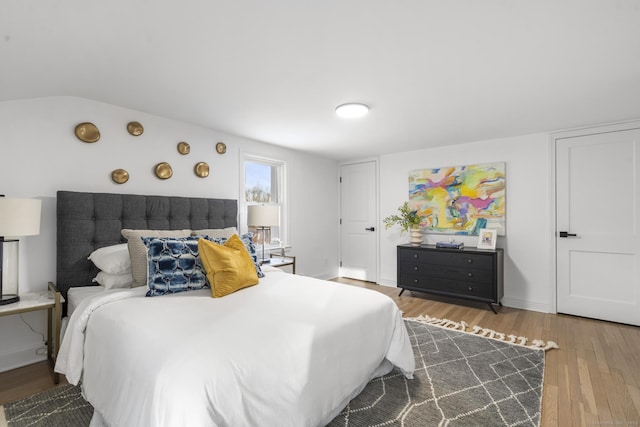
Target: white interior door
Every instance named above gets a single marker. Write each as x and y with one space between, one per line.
597 201
358 232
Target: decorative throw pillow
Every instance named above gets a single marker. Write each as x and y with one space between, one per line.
174 265
138 251
112 259
216 232
114 281
229 266
247 240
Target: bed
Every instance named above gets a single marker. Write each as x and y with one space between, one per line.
290 351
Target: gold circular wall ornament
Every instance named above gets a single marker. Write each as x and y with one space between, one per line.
120 176
201 169
87 132
163 170
135 128
221 148
183 148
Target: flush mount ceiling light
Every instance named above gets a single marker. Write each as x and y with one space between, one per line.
352 110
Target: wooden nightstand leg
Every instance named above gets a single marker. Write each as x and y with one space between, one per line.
53 332
51 345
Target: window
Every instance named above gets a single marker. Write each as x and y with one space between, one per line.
264 183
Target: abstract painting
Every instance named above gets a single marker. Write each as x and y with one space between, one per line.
460 199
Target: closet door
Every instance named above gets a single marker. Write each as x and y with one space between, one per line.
358 232
598 218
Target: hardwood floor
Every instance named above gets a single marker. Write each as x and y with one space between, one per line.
592 380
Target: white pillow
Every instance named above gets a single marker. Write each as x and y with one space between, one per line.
112 259
114 281
216 232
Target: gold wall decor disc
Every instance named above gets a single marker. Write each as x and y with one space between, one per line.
183 148
221 148
87 132
163 170
202 169
120 176
135 128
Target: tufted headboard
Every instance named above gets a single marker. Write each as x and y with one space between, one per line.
88 221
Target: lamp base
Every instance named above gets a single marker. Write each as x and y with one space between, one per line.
9 299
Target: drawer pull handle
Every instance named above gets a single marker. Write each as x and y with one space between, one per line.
415 268
415 255
415 280
470 274
470 261
470 288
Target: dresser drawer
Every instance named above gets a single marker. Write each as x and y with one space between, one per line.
458 287
470 273
446 272
450 257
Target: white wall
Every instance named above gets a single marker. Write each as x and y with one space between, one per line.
40 155
527 240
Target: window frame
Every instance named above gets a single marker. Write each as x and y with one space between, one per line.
281 193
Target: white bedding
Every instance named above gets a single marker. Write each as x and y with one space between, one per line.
75 295
291 351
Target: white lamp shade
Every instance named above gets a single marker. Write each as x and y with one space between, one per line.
19 217
263 215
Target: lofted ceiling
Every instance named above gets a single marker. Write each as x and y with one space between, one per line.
433 72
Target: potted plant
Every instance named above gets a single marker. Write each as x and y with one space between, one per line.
408 220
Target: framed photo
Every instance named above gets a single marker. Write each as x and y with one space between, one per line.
487 238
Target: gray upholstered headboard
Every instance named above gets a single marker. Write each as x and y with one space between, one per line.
88 221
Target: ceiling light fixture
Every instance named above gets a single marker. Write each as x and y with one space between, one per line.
352 110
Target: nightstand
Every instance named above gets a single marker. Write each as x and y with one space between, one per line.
51 300
282 261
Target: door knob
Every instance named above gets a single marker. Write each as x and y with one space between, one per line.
370 229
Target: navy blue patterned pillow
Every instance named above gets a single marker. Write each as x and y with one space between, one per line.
174 265
247 239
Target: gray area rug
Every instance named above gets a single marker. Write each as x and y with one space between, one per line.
461 379
62 406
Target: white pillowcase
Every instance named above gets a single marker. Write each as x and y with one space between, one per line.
114 281
112 259
216 232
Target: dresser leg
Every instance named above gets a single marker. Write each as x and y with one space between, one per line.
401 292
492 308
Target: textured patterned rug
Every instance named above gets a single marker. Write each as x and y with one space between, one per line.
461 379
62 406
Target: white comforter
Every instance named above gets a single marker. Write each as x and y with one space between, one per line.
291 351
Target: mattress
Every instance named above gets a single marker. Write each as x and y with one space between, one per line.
76 295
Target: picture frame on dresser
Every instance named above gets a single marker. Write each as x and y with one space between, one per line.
487 238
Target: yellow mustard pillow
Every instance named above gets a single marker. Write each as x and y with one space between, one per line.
229 267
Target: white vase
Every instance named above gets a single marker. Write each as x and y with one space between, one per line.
415 236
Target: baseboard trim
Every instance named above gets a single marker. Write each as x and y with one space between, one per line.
526 305
23 357
387 282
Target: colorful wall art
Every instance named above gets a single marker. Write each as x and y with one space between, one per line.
460 199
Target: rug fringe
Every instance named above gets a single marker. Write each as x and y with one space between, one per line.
484 332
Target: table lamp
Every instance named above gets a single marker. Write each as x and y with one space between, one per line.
18 217
263 217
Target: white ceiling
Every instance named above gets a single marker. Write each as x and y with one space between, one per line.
433 72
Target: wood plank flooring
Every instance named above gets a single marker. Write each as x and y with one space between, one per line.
592 380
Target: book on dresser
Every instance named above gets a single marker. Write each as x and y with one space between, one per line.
468 273
450 245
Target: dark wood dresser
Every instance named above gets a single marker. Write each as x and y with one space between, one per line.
469 273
